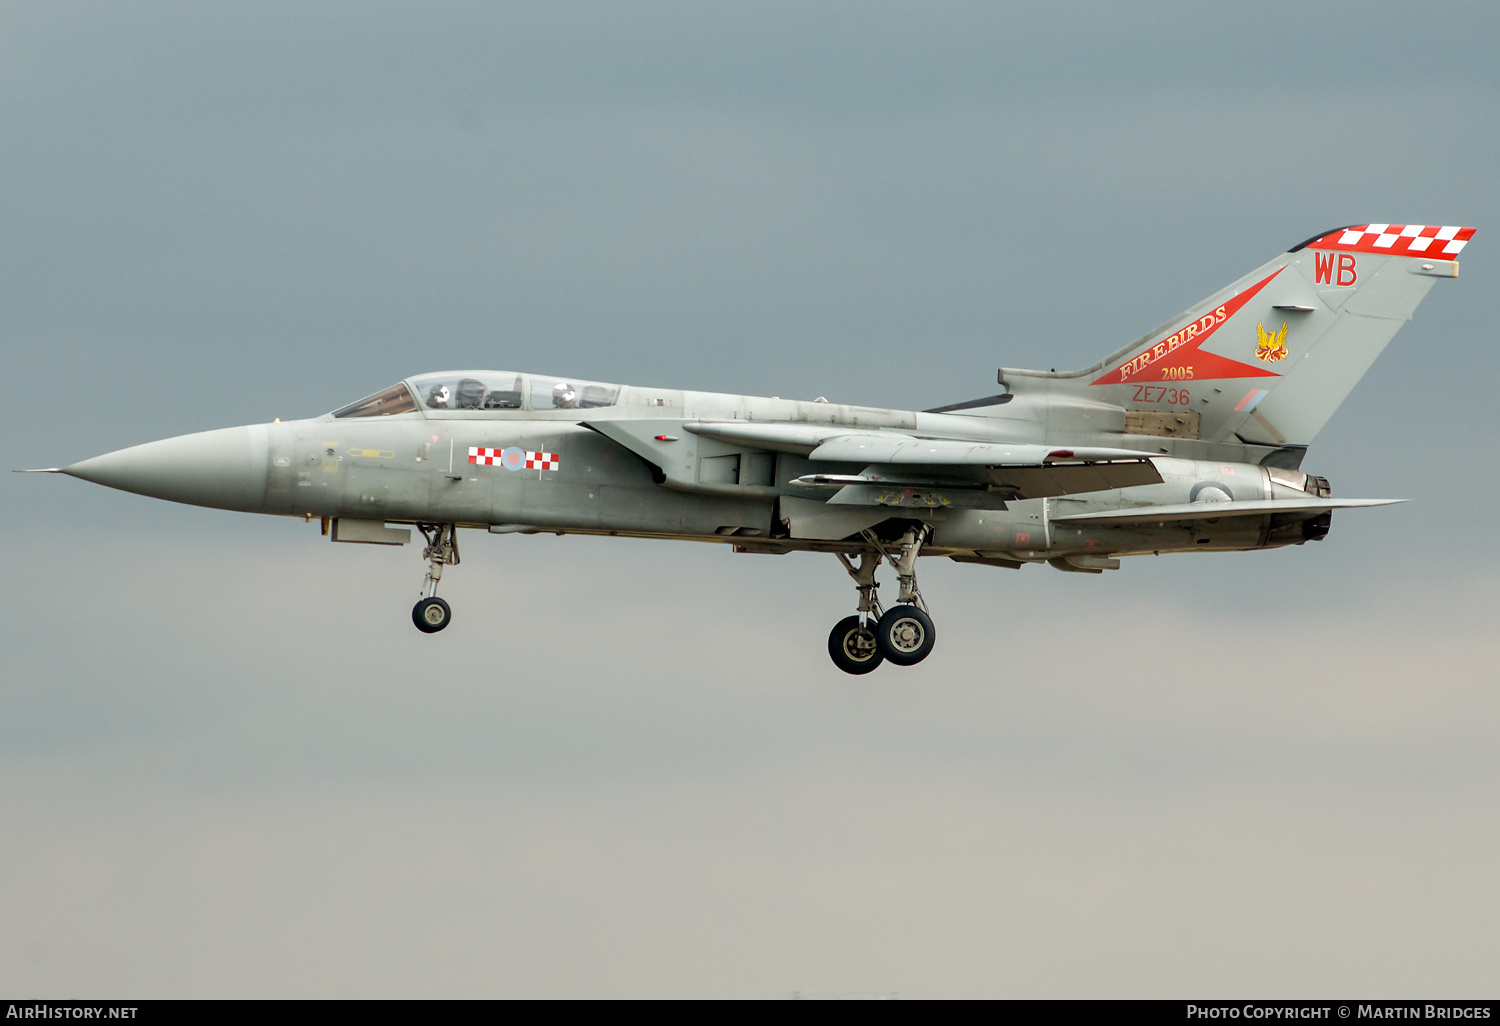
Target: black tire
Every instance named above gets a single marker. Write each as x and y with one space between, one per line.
431 615
905 635
851 652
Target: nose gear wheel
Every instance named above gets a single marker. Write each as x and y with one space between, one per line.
431 615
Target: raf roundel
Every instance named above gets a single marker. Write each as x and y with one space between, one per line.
511 458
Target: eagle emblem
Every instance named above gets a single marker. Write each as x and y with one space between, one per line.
1270 345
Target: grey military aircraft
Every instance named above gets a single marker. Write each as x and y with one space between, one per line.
1189 439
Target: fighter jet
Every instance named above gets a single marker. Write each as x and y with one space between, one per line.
1189 439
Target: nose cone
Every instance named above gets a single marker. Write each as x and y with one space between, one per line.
225 469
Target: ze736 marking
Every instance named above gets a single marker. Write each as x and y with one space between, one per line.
1162 394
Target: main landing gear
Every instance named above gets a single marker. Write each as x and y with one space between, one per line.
903 634
431 614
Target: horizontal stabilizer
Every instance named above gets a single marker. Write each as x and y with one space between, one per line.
1214 510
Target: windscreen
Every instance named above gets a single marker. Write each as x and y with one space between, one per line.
396 399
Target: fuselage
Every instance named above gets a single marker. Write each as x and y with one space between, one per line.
515 452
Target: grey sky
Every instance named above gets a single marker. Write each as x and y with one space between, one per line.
229 767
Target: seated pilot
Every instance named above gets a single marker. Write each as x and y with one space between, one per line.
563 396
437 397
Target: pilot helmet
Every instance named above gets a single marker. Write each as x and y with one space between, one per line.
563 396
438 396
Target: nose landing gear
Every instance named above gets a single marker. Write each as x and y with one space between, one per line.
904 634
431 614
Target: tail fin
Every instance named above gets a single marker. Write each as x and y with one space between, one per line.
1268 359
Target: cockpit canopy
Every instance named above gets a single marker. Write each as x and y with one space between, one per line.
480 390
486 391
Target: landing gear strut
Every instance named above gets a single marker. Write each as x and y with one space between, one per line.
903 634
431 614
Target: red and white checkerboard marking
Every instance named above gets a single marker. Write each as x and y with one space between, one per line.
1443 242
514 459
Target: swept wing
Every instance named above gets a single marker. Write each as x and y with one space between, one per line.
1026 471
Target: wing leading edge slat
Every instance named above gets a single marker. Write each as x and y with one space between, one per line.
890 447
838 444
